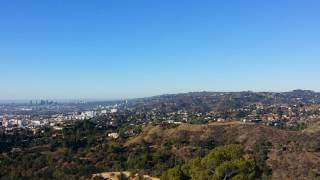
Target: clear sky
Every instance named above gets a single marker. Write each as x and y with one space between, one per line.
133 48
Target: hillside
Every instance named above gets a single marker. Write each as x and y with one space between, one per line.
208 101
290 154
158 150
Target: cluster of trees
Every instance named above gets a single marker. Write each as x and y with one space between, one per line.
58 155
153 161
77 152
226 162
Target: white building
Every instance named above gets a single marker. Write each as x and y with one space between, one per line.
114 110
113 135
36 122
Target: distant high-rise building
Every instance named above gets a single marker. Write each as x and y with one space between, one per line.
42 102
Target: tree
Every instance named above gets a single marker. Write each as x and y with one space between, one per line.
175 173
225 162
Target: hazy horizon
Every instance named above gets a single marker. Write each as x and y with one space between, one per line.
27 100
124 49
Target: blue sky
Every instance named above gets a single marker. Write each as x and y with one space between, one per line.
122 48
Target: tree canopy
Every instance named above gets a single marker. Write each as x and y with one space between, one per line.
225 162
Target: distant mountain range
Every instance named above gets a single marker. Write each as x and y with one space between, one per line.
206 101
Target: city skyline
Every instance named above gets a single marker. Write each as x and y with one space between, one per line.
121 50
